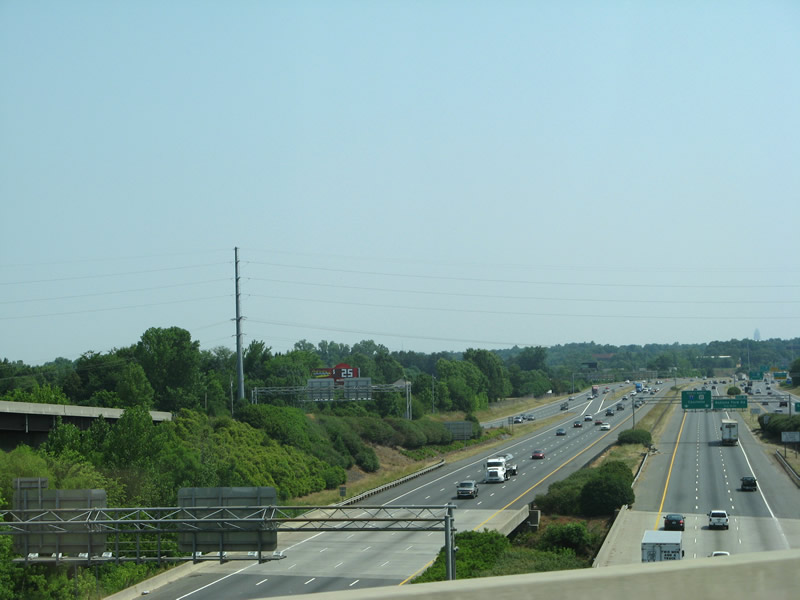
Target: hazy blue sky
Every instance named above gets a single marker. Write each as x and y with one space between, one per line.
432 175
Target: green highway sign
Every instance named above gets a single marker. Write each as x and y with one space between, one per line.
739 401
696 399
780 374
797 407
755 375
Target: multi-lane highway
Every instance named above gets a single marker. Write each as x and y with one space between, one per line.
691 474
349 560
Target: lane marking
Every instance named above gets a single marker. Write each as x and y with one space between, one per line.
215 582
669 472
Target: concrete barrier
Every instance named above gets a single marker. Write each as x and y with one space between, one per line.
738 577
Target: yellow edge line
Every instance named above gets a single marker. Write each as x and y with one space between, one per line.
669 472
429 563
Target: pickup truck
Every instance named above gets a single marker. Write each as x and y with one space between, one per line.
718 519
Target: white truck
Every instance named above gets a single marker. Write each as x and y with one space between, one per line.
661 545
500 468
730 432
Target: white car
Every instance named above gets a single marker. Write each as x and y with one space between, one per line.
605 427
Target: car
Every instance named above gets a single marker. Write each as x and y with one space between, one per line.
530 417
598 421
720 553
718 519
605 427
587 417
610 412
783 403
467 489
758 390
564 406
674 522
749 483
571 398
620 406
578 424
537 454
561 431
518 419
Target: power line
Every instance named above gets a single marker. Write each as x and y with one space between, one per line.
512 297
117 274
529 282
114 308
147 289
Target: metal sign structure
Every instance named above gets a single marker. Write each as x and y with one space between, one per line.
128 528
325 390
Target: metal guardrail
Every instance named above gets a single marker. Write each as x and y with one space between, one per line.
391 484
788 468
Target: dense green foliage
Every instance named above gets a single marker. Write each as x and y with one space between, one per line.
477 552
556 547
589 492
773 425
635 436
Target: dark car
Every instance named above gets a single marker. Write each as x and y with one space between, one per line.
561 431
467 489
577 424
674 522
749 484
537 454
598 421
610 412
565 406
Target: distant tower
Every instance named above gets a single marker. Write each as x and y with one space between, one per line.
757 335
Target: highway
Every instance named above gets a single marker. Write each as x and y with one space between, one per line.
328 561
690 474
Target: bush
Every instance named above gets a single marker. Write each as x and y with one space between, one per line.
563 497
568 535
604 494
478 551
635 436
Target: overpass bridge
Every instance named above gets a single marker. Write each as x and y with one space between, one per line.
30 422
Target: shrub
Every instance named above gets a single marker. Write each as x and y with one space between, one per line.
568 535
604 494
635 436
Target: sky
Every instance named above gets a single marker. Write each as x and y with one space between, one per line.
431 175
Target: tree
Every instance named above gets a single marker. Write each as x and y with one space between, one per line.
532 359
133 388
498 384
794 372
171 361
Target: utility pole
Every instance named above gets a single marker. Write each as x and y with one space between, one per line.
239 355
